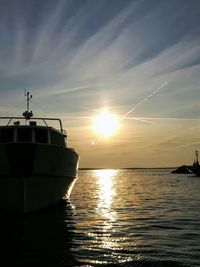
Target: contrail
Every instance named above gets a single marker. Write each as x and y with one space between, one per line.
144 99
162 118
145 120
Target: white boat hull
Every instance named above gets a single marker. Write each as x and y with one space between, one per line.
35 176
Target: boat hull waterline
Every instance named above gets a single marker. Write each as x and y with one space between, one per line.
27 194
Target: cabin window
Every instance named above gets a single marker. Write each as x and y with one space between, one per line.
6 135
41 136
57 139
24 135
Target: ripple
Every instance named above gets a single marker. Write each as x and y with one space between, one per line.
138 218
114 218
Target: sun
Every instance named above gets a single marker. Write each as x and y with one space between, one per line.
106 124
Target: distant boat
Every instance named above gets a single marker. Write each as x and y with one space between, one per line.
196 167
37 169
183 169
196 171
193 169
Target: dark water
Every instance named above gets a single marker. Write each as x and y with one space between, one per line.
114 218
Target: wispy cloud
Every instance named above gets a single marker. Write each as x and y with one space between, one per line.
77 56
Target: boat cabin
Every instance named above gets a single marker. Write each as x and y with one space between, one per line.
31 134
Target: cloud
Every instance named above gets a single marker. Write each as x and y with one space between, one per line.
91 51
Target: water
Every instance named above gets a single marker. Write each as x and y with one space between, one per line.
114 218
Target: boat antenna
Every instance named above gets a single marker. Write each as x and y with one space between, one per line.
27 114
197 157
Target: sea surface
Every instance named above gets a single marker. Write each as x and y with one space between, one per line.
146 217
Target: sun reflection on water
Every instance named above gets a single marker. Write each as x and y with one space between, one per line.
109 239
106 184
104 227
106 192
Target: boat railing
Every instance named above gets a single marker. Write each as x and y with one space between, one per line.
11 118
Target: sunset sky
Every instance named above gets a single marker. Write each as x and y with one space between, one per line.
138 59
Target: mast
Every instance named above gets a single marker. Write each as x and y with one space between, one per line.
27 114
197 157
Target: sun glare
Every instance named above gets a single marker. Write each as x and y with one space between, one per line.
106 124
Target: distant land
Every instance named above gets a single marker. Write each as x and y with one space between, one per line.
137 168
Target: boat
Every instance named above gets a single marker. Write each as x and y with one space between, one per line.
196 166
190 169
183 169
37 168
196 171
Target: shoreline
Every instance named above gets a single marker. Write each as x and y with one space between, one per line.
133 168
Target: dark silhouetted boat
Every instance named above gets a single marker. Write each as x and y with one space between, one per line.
196 167
183 169
193 169
37 169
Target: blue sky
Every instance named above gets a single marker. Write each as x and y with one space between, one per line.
79 56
